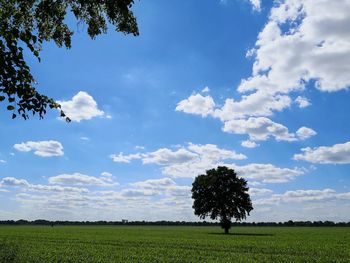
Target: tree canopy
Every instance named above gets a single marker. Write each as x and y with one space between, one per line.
27 24
220 194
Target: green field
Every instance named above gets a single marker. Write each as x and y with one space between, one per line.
173 244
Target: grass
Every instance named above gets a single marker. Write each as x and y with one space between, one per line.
173 244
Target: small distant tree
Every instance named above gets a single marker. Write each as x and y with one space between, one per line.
220 194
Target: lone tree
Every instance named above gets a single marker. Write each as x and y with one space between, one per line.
26 24
221 194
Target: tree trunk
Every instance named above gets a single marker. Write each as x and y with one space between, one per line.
226 230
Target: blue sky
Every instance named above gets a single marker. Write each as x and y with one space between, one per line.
261 87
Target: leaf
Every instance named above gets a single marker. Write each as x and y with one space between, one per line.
10 107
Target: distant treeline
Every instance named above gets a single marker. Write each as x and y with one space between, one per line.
289 223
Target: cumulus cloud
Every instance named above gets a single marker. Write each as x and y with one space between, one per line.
139 147
249 144
41 148
153 198
161 186
256 4
313 40
304 133
235 116
267 173
205 90
187 161
164 198
154 183
82 179
259 191
166 156
81 107
106 174
302 102
197 104
11 181
14 182
192 152
300 196
195 159
259 129
303 41
260 103
336 154
121 158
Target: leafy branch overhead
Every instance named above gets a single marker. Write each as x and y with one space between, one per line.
27 24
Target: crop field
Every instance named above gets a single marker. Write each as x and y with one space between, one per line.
173 244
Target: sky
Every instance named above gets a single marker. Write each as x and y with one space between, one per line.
259 86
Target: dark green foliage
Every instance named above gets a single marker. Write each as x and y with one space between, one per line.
221 194
29 23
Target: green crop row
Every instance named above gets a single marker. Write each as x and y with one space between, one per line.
173 244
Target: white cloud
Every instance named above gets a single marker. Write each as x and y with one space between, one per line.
186 161
259 129
336 154
249 144
108 178
154 199
302 102
302 205
154 183
300 196
303 41
195 159
211 151
304 133
260 103
81 179
56 188
106 174
205 90
235 115
164 198
197 104
164 186
11 181
256 4
41 148
259 191
165 156
14 182
81 107
267 173
313 40
121 158
2 161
